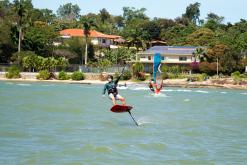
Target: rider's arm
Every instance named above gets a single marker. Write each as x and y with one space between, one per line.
116 81
104 90
161 85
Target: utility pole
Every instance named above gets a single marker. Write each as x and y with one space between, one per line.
217 67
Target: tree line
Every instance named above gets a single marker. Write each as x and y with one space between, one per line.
24 28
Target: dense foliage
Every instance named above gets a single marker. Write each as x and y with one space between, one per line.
44 75
13 72
77 76
24 28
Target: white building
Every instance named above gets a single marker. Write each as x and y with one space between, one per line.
169 54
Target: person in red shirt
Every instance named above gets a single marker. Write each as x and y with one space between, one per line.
154 86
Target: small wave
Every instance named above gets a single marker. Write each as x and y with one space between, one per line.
223 92
144 120
9 83
122 87
48 85
243 93
168 90
140 88
24 84
159 95
184 90
177 90
186 100
199 91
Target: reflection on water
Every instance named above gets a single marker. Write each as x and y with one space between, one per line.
42 123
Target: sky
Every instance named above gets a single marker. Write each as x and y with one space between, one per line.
232 10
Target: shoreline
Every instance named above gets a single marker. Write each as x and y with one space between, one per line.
181 83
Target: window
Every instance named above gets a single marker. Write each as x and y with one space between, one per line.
182 58
103 41
162 58
149 57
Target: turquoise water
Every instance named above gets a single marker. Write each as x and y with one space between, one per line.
44 123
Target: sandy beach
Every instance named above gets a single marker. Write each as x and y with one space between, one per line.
167 83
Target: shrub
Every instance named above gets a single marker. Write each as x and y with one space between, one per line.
208 68
77 76
236 76
127 75
63 76
164 68
44 75
13 72
141 76
244 75
195 66
202 77
165 75
138 68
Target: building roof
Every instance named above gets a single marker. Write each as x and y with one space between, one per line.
170 50
92 34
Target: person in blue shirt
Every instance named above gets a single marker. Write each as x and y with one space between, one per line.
111 88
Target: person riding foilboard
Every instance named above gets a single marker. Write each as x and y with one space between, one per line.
154 86
111 88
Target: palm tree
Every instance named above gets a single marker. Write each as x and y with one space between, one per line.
21 8
87 24
198 53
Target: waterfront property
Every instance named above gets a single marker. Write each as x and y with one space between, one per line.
170 54
179 55
97 38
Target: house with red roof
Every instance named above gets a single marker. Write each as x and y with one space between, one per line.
97 38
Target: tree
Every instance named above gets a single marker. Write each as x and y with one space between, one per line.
48 15
22 8
201 37
30 61
68 11
242 42
228 60
165 23
215 17
193 12
4 6
76 46
119 21
40 39
130 14
87 24
133 33
104 15
119 55
7 47
214 21
150 30
198 54
67 54
177 34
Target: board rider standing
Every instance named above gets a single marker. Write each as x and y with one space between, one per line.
111 88
154 86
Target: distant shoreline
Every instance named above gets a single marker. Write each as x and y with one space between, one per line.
181 83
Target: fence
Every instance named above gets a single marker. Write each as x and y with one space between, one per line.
76 67
4 67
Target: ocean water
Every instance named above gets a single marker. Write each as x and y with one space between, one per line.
45 123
